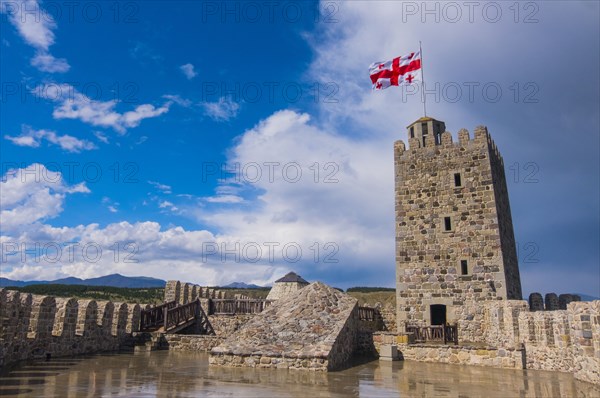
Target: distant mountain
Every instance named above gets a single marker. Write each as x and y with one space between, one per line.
242 285
114 280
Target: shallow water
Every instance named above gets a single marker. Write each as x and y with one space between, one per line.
179 374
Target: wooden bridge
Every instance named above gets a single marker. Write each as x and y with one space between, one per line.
172 318
237 306
436 333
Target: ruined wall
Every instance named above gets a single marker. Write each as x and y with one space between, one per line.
428 258
32 326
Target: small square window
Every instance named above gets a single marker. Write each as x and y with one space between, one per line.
457 180
464 267
447 224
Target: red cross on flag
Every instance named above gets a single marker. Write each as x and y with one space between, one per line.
402 70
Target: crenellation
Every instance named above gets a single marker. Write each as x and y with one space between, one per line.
23 315
42 317
34 326
134 313
399 147
119 322
86 317
414 143
65 321
105 316
430 141
447 139
172 291
551 302
185 291
193 293
463 137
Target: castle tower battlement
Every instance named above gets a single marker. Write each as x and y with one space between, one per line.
454 233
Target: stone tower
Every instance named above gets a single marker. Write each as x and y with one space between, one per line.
455 243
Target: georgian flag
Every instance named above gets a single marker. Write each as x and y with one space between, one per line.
402 70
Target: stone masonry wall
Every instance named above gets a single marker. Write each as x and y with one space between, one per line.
184 293
429 258
510 335
225 325
201 343
32 326
564 340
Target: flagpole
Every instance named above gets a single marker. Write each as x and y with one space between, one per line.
422 81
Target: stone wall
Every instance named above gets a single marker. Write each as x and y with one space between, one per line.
202 343
315 328
564 340
184 292
225 325
33 326
464 355
284 289
501 332
428 258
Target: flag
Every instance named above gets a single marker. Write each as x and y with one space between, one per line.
402 70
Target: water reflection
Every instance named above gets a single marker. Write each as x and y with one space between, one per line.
173 374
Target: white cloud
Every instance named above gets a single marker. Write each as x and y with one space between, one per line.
35 26
188 71
33 138
162 187
111 205
48 63
224 199
101 137
342 204
164 204
186 103
71 104
32 194
223 110
26 15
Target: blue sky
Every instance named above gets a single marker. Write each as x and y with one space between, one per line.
159 97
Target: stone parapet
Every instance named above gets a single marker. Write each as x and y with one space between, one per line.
34 326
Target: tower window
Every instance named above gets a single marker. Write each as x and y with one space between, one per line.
424 128
464 267
412 132
457 180
424 142
447 224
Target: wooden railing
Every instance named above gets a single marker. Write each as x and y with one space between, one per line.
236 306
435 333
181 315
367 314
155 317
